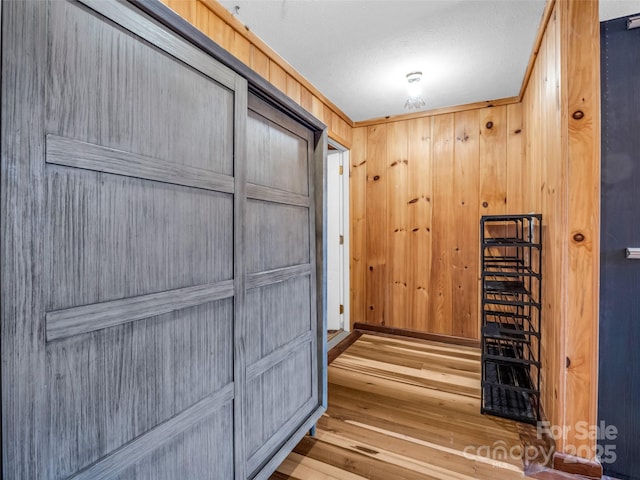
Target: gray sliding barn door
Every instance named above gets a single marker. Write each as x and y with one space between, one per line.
282 385
158 271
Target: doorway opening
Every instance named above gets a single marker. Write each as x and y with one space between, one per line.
338 319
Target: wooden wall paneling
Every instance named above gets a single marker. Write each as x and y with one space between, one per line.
553 209
419 225
376 226
397 215
443 229
493 161
465 245
259 62
306 99
515 158
317 108
219 31
327 117
358 225
201 20
562 160
293 89
581 48
185 8
342 131
278 76
492 191
241 48
437 111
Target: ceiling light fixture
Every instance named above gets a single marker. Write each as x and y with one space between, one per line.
415 99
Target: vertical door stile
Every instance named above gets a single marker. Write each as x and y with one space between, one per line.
239 327
21 293
312 255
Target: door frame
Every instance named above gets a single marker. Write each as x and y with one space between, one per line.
345 219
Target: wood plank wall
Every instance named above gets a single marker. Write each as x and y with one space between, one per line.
560 178
211 18
418 189
543 186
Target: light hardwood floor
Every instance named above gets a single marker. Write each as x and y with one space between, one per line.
405 409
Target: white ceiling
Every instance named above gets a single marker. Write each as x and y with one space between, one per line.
358 52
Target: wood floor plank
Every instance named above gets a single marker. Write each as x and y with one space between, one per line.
405 409
354 461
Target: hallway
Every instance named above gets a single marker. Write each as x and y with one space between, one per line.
406 409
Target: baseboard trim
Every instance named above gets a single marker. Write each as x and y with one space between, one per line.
577 466
336 351
434 337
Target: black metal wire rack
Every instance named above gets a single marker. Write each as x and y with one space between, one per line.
511 258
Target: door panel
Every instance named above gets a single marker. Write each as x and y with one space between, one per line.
277 236
284 158
619 369
158 301
111 237
282 376
182 115
110 386
175 459
118 331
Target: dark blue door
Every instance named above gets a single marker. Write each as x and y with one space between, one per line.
619 377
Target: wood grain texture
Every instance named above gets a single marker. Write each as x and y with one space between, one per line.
376 290
423 273
73 153
419 224
493 161
22 295
466 253
85 319
581 48
209 434
268 194
404 408
111 237
562 165
542 119
443 228
282 146
240 320
131 225
399 332
277 236
268 277
280 342
358 225
126 380
142 446
515 158
271 327
397 165
171 44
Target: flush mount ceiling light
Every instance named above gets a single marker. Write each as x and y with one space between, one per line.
414 100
